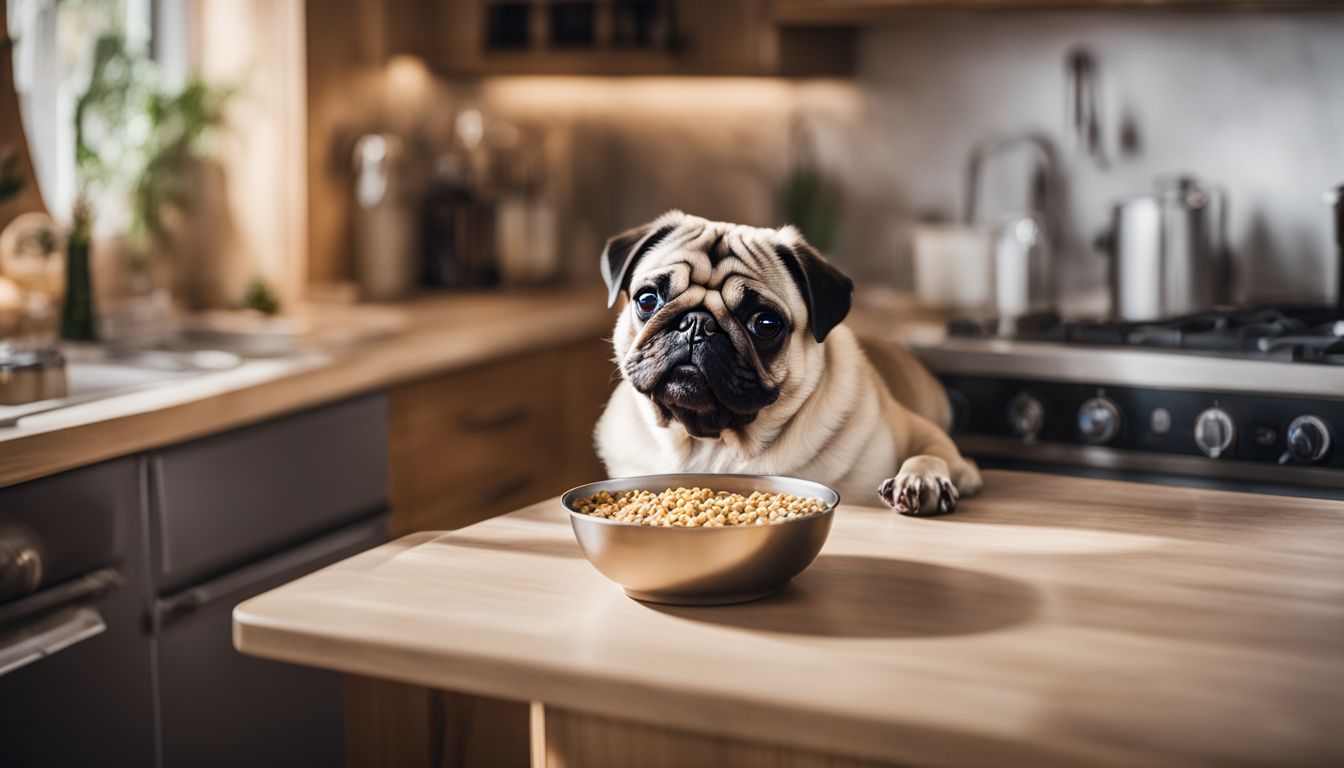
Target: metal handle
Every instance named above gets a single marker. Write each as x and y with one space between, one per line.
80 589
1218 247
1044 172
317 552
1335 198
46 636
496 419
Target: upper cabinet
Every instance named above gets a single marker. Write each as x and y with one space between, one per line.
474 38
614 37
860 12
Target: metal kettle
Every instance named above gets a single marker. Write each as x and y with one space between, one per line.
1167 251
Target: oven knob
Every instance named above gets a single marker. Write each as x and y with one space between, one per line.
1308 441
1025 416
1099 420
1214 432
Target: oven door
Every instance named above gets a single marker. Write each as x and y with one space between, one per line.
58 556
78 685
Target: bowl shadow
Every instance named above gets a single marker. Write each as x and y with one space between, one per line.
516 545
859 596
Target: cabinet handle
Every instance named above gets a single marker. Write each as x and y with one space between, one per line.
82 589
506 488
496 419
49 635
310 555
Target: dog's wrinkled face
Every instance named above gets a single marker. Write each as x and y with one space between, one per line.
715 310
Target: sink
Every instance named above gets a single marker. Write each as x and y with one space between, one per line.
89 379
94 373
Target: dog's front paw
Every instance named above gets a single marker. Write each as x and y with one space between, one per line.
919 494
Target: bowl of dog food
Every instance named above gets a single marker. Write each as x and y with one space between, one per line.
701 539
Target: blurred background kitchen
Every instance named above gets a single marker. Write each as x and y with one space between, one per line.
380 150
245 242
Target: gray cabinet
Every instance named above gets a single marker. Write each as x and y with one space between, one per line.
220 708
186 533
230 498
232 516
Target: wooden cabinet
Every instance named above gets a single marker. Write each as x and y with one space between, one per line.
613 37
463 447
807 13
473 444
410 726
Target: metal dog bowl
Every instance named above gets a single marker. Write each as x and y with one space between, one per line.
702 566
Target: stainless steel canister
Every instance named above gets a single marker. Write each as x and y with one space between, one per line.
1167 251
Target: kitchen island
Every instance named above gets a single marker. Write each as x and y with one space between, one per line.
1050 621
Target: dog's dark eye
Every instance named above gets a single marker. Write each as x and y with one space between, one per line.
648 302
765 325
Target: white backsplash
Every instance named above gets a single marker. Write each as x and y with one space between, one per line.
1250 101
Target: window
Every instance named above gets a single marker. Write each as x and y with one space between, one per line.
53 45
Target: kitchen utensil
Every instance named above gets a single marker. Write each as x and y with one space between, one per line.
458 228
1024 234
1336 199
1022 268
27 376
1166 251
525 238
1084 111
702 566
954 266
385 231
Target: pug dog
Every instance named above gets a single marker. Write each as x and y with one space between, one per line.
733 358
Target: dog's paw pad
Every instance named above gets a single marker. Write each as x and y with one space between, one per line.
919 494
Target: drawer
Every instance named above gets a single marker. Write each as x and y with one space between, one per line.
476 499
234 497
486 424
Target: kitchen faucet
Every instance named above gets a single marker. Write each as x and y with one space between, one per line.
1044 198
1024 242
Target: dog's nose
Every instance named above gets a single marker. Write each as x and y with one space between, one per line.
697 324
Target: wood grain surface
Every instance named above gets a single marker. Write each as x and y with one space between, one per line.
570 739
478 443
1050 621
443 334
409 726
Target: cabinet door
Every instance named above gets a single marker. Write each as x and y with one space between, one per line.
221 708
473 444
470 445
237 496
662 37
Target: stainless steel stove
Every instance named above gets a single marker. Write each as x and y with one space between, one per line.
1248 399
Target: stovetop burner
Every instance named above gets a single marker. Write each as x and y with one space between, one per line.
1310 334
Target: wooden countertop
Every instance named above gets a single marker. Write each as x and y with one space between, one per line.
1051 621
439 334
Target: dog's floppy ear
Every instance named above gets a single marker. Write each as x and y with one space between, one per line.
626 249
826 290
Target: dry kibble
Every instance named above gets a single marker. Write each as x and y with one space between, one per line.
698 507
